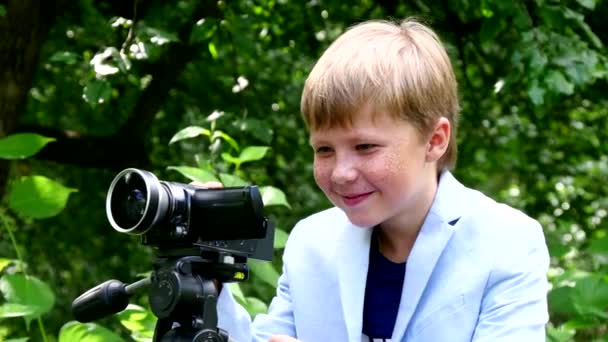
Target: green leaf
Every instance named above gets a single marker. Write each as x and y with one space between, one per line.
28 291
2 10
18 339
38 197
194 174
536 94
66 57
560 301
97 92
599 246
225 137
4 262
273 196
139 321
22 145
255 306
236 291
230 180
588 4
8 310
252 153
557 81
212 50
590 297
189 132
86 332
280 238
562 333
264 271
228 158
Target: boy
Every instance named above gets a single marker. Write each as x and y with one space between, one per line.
408 253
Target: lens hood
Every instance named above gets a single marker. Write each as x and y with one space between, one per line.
136 201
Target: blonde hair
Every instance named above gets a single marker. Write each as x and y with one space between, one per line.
400 68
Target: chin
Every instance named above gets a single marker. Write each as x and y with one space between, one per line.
363 222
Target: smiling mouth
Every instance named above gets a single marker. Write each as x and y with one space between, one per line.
355 199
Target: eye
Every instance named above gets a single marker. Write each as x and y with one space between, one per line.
322 149
365 147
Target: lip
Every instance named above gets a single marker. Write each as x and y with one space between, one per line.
352 200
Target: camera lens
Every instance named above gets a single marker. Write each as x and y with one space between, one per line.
135 206
135 201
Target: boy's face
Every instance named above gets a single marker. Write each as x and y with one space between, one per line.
377 171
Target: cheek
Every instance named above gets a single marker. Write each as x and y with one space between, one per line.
321 173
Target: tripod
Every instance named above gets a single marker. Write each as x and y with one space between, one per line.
182 295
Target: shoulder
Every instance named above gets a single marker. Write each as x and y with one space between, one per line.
505 235
326 224
319 231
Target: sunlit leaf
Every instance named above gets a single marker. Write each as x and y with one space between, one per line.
228 158
560 334
189 132
28 291
280 239
8 310
38 197
252 153
139 321
212 50
225 137
255 306
236 291
86 332
22 145
194 173
231 180
3 263
273 196
18 339
264 271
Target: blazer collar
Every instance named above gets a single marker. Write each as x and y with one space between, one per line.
352 258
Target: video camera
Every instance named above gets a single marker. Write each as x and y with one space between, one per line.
199 236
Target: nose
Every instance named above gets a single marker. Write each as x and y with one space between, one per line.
344 172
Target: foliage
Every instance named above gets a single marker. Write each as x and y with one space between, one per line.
205 90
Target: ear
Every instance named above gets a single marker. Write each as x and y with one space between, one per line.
438 140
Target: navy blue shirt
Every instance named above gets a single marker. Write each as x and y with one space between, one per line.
382 294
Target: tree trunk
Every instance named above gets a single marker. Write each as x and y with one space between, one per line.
23 30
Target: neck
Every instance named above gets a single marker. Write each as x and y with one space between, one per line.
397 236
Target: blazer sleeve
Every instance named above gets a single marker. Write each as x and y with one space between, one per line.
278 321
514 306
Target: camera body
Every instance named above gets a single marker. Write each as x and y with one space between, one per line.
175 217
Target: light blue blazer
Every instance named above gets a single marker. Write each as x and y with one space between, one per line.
477 272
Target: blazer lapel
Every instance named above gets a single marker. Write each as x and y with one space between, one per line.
429 245
435 233
352 256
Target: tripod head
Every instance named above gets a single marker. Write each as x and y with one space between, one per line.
182 292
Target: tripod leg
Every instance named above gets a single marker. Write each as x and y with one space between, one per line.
163 326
